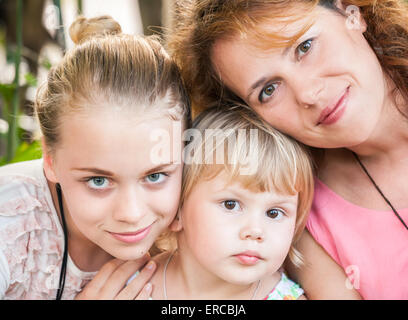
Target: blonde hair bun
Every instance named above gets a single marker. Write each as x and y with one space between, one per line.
83 29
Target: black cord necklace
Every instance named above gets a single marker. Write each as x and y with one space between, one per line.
379 190
63 271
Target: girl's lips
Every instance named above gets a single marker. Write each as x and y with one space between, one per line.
333 113
248 258
132 237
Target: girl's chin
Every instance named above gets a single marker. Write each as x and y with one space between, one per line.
128 253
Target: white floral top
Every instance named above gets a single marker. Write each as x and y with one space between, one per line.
31 237
286 289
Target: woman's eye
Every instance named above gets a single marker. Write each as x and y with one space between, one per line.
304 47
275 214
231 205
155 177
267 92
98 183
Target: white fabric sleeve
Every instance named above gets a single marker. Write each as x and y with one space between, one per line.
4 275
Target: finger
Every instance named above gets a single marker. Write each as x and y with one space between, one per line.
146 293
104 274
136 286
118 279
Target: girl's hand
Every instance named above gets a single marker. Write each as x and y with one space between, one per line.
110 281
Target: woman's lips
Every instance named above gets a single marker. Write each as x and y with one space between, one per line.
333 113
248 258
132 237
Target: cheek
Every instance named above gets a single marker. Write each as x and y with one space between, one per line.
82 205
165 202
95 212
280 240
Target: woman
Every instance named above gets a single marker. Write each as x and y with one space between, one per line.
333 75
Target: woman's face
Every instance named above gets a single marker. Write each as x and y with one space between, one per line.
121 178
327 90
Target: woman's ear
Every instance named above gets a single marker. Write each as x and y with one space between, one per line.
355 20
177 224
48 163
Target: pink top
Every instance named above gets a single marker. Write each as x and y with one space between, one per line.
31 237
371 246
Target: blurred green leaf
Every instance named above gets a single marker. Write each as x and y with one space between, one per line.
30 79
46 64
27 151
7 91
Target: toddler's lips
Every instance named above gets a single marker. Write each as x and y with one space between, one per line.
248 258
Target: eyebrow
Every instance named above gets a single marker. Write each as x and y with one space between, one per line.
95 170
108 173
159 168
260 81
254 86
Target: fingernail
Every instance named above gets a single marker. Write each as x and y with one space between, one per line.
132 277
148 286
150 265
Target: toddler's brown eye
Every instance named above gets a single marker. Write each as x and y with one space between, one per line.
275 214
230 204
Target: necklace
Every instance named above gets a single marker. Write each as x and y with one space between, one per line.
379 190
164 279
63 272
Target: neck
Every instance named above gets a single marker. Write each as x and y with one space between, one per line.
187 279
86 255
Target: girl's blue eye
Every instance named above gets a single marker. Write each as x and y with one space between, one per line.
304 47
275 214
155 177
267 92
231 205
98 182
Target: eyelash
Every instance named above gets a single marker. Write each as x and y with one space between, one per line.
230 200
282 212
310 41
160 173
298 55
88 180
100 189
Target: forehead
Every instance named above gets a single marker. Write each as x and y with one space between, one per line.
115 142
275 26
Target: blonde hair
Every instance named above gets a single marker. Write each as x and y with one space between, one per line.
198 24
107 67
277 162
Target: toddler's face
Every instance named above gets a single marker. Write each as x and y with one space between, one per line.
236 234
118 192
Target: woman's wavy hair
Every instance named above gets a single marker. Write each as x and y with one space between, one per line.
197 24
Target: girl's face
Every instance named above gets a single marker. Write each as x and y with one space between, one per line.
327 90
234 233
121 187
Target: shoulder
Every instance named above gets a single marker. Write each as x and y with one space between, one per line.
30 235
286 289
23 191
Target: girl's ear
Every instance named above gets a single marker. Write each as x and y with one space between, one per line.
177 224
48 163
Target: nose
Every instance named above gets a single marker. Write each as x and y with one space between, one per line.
130 207
307 90
252 230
